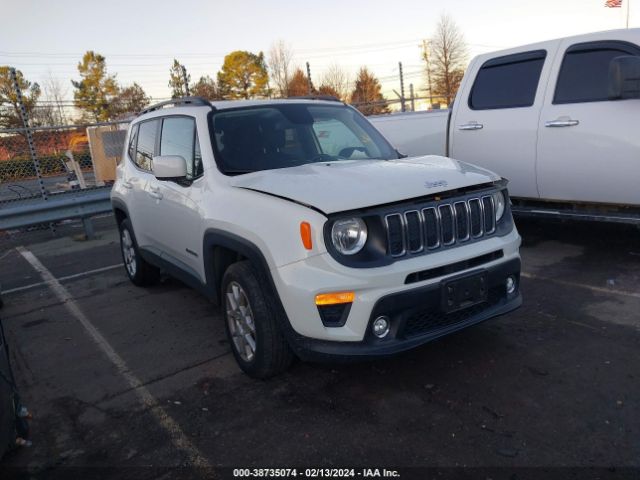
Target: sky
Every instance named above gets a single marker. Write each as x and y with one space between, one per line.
140 38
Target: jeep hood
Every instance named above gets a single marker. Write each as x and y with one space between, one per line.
352 184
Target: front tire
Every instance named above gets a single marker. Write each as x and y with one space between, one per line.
139 271
256 339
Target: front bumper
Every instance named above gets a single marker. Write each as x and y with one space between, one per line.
417 318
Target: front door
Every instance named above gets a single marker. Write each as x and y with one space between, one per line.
588 145
176 222
496 117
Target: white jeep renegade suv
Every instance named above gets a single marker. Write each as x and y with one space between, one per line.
316 237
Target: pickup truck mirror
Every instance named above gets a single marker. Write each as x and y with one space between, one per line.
169 167
624 78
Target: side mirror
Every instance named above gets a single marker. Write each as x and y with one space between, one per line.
169 167
624 78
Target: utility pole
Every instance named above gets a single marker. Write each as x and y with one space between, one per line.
185 80
309 82
402 107
628 6
413 103
425 54
28 134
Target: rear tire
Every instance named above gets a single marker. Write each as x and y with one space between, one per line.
256 339
139 271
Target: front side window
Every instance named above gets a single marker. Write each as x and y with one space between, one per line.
508 82
179 137
287 135
584 75
147 132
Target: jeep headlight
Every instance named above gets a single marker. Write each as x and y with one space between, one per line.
349 235
498 205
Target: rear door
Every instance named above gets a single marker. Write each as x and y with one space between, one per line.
496 116
138 178
588 145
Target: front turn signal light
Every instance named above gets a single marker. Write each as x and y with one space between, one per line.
335 298
305 235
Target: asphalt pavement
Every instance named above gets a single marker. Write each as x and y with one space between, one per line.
125 379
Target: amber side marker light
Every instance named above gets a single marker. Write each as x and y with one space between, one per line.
335 298
305 235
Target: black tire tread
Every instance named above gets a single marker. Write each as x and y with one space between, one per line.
276 355
146 274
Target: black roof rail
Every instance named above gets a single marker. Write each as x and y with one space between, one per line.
329 98
180 102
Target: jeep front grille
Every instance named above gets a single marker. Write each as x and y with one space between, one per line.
445 224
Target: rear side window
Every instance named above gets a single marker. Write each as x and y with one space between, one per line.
507 82
145 150
584 75
179 137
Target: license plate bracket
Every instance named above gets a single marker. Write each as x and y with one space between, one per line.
464 292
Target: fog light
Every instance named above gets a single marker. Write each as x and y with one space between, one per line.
381 326
510 284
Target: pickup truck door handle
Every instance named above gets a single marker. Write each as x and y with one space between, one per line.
562 122
471 126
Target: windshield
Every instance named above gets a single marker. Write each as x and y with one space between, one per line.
286 135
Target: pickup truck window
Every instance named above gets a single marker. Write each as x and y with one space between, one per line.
249 139
507 82
584 75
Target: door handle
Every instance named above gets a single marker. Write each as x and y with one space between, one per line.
562 122
471 126
156 195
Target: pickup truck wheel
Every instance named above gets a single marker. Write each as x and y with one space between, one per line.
251 324
139 271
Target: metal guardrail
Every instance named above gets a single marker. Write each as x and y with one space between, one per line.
82 204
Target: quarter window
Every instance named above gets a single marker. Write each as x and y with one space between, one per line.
147 132
132 142
508 82
584 75
179 137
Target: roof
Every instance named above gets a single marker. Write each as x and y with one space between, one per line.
226 104
625 34
191 102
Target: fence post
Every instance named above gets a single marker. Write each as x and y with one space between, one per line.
29 136
309 82
402 106
186 80
413 102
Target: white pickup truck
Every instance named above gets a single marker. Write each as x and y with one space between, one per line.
560 119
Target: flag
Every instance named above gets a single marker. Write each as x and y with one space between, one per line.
613 3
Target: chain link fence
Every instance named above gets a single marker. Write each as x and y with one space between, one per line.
45 171
63 159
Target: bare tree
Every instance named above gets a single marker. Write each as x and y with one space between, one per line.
55 93
336 79
280 58
448 58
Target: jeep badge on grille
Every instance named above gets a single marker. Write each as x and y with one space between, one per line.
437 183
